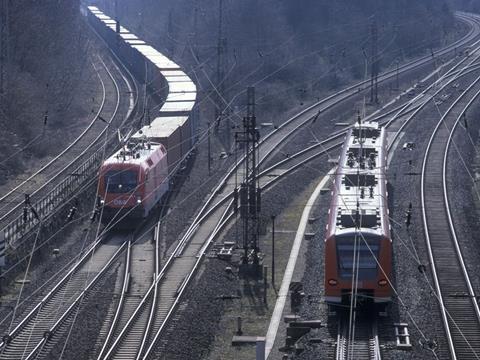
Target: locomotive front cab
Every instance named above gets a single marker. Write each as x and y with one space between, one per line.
361 259
120 181
121 191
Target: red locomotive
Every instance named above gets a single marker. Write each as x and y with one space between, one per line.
135 178
358 246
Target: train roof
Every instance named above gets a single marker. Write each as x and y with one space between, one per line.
134 154
156 57
173 72
182 91
161 127
129 36
177 107
182 87
360 184
172 97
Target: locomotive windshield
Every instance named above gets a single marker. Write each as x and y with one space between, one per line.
120 181
365 259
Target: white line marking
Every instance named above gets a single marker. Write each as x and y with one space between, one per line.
287 277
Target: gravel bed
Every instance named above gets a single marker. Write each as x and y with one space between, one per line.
415 303
207 312
80 334
346 112
462 197
193 329
420 303
192 342
45 267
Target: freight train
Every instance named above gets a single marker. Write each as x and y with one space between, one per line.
358 245
134 179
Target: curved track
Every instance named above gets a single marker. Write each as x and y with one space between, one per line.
459 309
61 183
189 252
172 279
47 174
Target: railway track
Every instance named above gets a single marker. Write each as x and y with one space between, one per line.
269 146
129 328
365 347
358 341
155 307
31 335
47 175
81 160
185 259
277 171
36 331
457 299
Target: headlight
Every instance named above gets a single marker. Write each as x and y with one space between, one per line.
383 282
139 199
332 282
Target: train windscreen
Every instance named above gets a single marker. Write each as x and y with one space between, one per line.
365 259
120 181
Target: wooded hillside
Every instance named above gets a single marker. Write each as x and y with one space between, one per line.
292 50
45 63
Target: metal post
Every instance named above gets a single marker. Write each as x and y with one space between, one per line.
374 63
239 326
4 44
195 26
260 349
209 149
398 82
265 273
220 68
117 18
273 251
249 194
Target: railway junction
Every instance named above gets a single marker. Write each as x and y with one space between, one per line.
232 263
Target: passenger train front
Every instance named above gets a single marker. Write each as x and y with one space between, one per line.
358 246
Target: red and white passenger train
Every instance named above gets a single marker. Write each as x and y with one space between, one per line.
134 179
358 245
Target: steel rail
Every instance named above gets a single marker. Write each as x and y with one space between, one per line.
39 205
447 205
151 316
59 287
116 317
54 290
74 304
225 218
365 348
72 162
74 142
111 351
189 233
180 246
446 314
349 91
326 145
